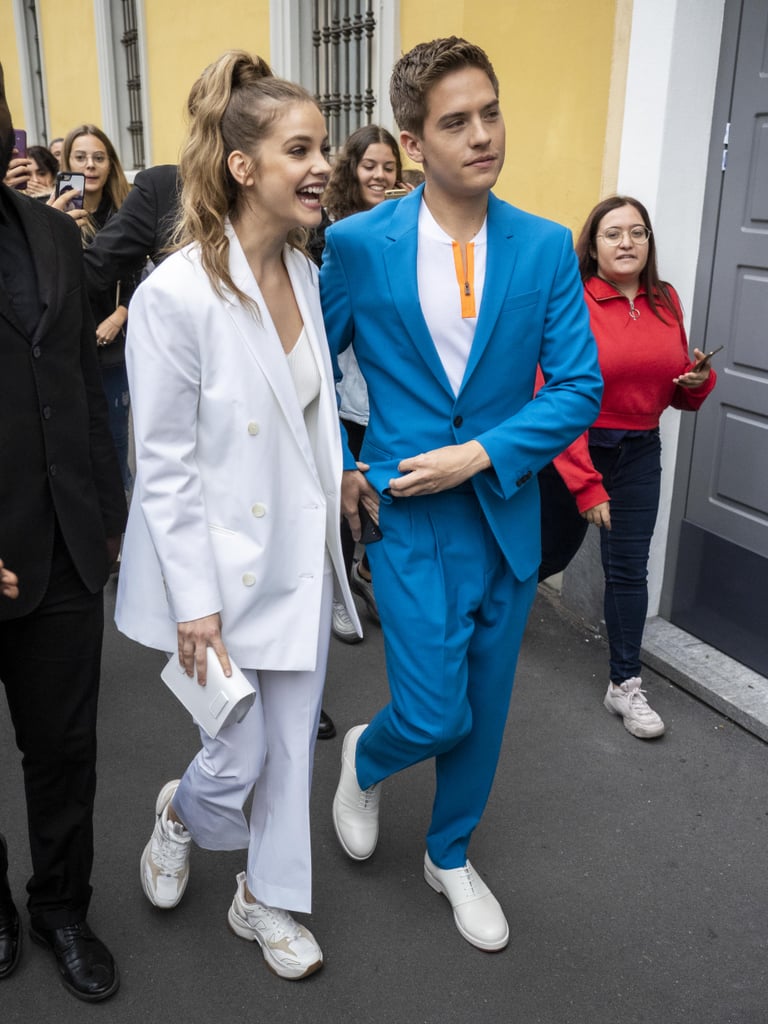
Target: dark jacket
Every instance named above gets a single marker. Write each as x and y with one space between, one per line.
141 228
57 460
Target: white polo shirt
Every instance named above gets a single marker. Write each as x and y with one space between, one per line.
448 289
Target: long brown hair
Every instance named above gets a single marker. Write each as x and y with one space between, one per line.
231 106
116 187
657 291
343 195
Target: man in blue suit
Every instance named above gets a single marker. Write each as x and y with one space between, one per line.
451 298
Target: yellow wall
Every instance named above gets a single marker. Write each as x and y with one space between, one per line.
561 66
68 43
184 39
553 60
9 60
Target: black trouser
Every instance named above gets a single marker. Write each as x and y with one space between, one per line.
49 664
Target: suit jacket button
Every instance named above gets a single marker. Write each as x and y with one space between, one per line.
253 428
259 510
458 420
248 579
36 351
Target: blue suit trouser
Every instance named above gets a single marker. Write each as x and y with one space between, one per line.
453 615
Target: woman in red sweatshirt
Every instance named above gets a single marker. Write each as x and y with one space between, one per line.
614 471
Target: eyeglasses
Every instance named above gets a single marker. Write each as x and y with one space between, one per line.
613 236
83 158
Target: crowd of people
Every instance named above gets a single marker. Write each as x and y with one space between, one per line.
319 411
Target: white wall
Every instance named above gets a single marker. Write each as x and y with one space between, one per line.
673 61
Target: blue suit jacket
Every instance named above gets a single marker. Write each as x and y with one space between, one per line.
532 312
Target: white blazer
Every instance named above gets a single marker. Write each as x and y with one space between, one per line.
236 498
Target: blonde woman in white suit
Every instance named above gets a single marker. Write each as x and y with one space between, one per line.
233 537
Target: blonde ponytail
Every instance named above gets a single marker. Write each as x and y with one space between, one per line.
231 106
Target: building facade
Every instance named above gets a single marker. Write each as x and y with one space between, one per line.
598 97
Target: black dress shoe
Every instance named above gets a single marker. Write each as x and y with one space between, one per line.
10 940
85 964
326 730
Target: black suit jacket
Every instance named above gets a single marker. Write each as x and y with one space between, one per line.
141 227
57 460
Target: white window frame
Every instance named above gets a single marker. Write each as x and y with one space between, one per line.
36 127
285 17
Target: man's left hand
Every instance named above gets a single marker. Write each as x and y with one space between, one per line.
439 469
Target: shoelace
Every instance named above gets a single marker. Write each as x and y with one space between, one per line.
170 855
368 797
639 702
281 922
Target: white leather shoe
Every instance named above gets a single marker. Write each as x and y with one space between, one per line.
355 810
476 911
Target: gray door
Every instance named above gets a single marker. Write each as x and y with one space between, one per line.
721 580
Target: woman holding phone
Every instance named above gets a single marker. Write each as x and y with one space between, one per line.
614 472
88 151
233 536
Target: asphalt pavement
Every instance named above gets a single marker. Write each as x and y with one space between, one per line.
632 873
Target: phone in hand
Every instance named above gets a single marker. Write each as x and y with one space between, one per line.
704 361
396 193
20 143
20 151
68 181
369 531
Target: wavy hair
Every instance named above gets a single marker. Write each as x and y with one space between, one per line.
232 106
657 291
422 67
116 187
343 195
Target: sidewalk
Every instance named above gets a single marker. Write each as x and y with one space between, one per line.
632 873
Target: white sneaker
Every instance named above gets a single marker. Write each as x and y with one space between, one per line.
342 626
355 810
165 860
290 949
476 911
629 702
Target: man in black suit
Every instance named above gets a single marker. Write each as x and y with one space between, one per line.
62 511
141 228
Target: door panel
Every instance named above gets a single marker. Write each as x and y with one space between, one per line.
725 522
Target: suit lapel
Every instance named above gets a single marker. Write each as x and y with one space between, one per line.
400 266
45 256
501 256
267 351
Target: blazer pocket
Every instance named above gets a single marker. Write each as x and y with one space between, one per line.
521 301
225 531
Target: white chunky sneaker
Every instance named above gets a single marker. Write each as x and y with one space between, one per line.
629 702
290 950
165 860
343 627
476 911
355 810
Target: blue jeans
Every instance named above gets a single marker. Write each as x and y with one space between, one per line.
632 477
115 382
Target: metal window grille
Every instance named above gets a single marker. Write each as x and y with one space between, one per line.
342 47
130 42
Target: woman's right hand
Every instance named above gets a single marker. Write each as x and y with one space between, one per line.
599 515
194 639
63 201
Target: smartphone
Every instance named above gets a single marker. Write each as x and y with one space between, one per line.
369 531
20 151
68 181
20 142
705 360
396 193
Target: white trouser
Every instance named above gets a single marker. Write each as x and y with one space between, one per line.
269 753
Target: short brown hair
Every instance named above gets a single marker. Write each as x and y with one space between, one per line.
422 67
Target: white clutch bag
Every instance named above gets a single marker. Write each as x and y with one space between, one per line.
222 701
